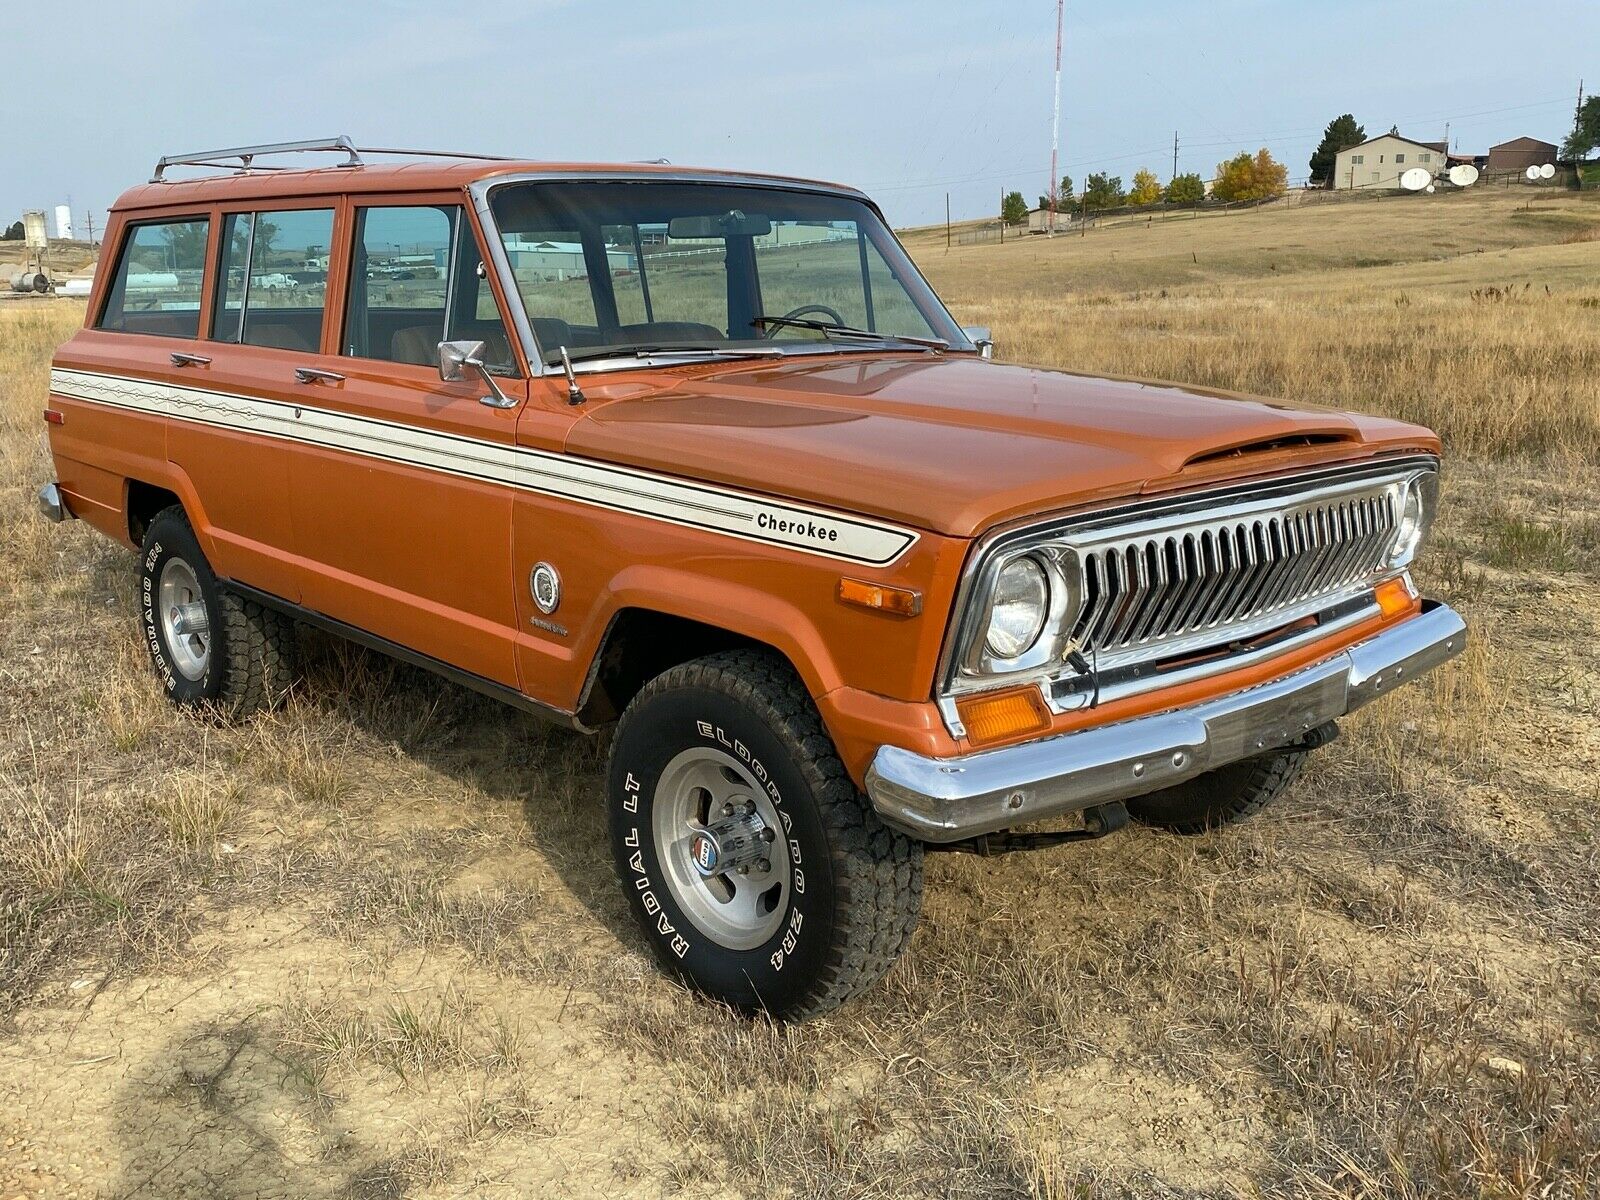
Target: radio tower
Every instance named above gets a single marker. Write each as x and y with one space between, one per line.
1055 129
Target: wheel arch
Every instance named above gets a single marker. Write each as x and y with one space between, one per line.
673 618
145 495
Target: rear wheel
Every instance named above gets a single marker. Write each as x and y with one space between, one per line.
757 870
208 645
1219 797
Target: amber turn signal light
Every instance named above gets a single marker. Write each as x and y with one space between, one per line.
902 602
1394 596
996 715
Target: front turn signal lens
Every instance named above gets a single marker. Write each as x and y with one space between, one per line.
997 715
902 602
1394 596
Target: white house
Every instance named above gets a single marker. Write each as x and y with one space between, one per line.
1379 162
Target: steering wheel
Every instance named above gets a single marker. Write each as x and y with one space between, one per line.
795 313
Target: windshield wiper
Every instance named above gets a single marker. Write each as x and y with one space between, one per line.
830 330
666 351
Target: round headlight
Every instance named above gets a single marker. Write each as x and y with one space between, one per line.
1408 534
1021 604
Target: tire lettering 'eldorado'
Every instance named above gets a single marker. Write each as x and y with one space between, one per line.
715 733
587 481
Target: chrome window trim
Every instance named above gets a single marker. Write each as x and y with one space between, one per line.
1216 502
480 190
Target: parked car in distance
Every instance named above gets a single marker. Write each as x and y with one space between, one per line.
700 457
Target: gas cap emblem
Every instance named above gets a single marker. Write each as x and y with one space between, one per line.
545 584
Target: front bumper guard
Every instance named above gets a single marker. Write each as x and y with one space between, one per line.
948 799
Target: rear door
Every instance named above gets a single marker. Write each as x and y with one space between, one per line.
265 302
401 510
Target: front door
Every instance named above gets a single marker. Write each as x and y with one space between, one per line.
401 521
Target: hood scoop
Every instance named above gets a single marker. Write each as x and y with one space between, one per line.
1296 441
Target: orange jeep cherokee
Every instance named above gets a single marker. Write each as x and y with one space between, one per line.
699 457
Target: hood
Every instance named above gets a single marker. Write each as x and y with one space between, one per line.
954 443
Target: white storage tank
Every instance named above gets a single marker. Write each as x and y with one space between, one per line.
64 222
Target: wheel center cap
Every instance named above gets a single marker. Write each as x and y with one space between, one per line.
705 853
732 844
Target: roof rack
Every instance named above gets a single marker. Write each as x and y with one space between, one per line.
246 155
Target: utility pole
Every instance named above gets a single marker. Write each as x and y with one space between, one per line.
1577 113
947 220
1055 130
1174 153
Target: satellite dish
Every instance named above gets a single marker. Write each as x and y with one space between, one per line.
1548 171
1416 179
1531 174
1463 174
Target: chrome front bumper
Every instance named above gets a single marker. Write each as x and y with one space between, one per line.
947 799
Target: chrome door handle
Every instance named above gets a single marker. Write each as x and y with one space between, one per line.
315 374
180 359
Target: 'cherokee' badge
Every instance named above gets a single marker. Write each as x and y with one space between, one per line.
545 584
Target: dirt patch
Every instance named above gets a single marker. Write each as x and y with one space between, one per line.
288 1064
1132 1119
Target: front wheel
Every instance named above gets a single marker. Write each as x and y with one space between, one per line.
757 870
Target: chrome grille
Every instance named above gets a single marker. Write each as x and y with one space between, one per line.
1201 582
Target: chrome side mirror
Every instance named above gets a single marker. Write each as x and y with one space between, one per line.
456 358
979 336
453 356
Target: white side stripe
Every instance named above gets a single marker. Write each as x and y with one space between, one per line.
817 531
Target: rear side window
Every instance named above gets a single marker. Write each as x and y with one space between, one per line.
156 288
272 279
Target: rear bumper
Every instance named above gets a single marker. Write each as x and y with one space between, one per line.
53 504
947 799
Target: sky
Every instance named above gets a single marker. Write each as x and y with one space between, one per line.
908 99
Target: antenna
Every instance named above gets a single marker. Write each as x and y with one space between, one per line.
1416 179
1055 130
1463 175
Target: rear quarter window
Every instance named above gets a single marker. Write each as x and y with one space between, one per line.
156 286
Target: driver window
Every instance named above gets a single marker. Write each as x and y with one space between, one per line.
408 259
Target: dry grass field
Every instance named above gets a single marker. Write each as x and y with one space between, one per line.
370 946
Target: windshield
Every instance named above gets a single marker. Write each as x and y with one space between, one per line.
625 268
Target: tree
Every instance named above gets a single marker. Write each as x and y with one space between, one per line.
1341 134
1063 196
1585 135
1014 209
1186 189
1146 188
1244 177
13 233
1103 191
